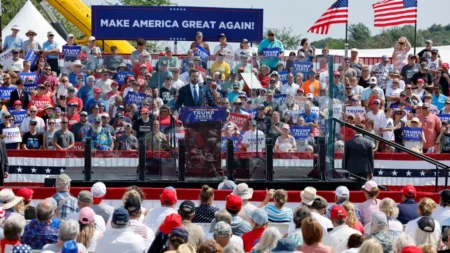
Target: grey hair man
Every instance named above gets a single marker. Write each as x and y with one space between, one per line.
85 199
65 202
233 248
224 216
13 227
222 233
68 230
402 241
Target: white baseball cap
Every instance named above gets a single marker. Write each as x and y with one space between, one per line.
91 38
310 95
98 190
15 27
342 192
70 35
373 80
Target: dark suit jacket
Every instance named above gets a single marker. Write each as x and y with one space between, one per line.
4 163
15 96
358 155
185 97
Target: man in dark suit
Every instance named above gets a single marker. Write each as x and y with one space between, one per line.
20 93
194 95
358 156
3 162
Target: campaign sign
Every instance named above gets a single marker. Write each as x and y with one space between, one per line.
296 113
412 134
301 132
406 108
280 99
24 77
444 117
71 51
32 56
202 114
135 98
252 112
12 135
6 56
29 87
5 92
18 116
235 143
337 111
315 110
283 76
202 70
270 53
175 23
238 119
302 67
202 53
355 110
121 76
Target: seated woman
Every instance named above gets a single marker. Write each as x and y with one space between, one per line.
277 212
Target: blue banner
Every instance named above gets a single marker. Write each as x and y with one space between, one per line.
444 117
412 134
71 51
406 108
32 56
202 53
135 98
18 116
280 98
270 53
5 92
301 132
176 23
24 76
121 76
29 87
302 67
202 114
283 76
253 112
236 141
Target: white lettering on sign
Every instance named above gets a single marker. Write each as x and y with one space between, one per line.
115 23
203 115
197 24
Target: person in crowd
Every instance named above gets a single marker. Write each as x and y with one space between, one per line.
199 42
224 216
270 42
268 241
13 40
408 70
277 212
300 214
246 194
32 139
446 243
98 191
312 237
399 56
177 237
95 100
127 141
222 233
368 91
171 222
93 53
111 62
342 194
260 221
285 142
221 66
354 243
88 235
13 229
19 94
85 199
39 232
168 201
187 212
379 231
442 211
156 140
423 74
427 232
210 246
27 195
134 208
86 92
63 139
205 212
80 129
404 242
8 120
390 209
425 209
408 207
352 220
371 205
101 137
13 63
359 151
234 206
120 238
68 231
431 125
51 50
312 85
438 98
372 246
254 139
381 71
338 237
66 203
317 206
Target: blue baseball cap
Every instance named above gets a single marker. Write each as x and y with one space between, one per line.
120 218
285 245
70 247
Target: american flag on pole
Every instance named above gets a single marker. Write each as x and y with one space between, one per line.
395 12
336 14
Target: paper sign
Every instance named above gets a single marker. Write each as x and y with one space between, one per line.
18 116
5 92
71 51
236 141
270 53
29 87
412 134
280 99
444 117
24 77
302 67
121 76
251 80
301 132
202 70
283 76
135 98
32 56
12 135
238 119
202 53
337 111
5 56
355 110
202 114
296 113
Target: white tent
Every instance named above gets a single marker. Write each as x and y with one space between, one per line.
30 18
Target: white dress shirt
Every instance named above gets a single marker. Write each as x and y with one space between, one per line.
120 241
338 237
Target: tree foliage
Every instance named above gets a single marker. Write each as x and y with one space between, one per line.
286 35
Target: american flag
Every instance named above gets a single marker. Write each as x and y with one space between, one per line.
336 14
395 12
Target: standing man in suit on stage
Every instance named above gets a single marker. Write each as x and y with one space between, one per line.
3 162
194 94
358 156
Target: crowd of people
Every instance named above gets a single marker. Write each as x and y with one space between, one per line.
86 223
88 96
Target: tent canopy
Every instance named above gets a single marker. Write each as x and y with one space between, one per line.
30 18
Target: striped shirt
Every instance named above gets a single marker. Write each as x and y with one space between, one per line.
278 215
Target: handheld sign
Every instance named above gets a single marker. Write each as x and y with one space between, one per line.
444 117
355 110
296 113
251 80
121 76
283 76
202 114
236 141
18 116
279 99
238 119
270 53
32 56
135 98
12 135
5 92
6 56
202 53
412 134
337 111
71 51
202 70
24 77
302 67
301 132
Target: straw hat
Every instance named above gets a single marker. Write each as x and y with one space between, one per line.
415 119
8 199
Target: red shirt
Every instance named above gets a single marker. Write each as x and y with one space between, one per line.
251 238
112 93
264 80
164 122
137 68
40 103
73 119
75 100
5 242
53 81
347 133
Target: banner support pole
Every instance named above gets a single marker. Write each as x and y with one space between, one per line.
415 36
175 47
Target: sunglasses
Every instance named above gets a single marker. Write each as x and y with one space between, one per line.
48 69
237 103
33 124
83 116
64 122
33 111
408 88
42 88
424 107
51 123
337 76
270 35
164 112
97 123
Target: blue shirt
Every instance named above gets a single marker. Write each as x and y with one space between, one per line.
85 93
311 117
438 101
12 42
232 96
93 102
50 46
338 91
271 62
367 91
39 233
73 78
278 215
407 211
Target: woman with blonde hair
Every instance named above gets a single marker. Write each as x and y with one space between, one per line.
371 205
389 207
425 209
88 235
371 246
205 212
352 219
141 196
400 54
428 248
277 212
268 241
312 237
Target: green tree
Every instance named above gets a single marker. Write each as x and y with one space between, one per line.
358 35
330 43
286 35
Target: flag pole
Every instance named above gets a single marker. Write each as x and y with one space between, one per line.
415 29
346 38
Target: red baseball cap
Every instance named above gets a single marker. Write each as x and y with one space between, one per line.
411 249
170 222
338 212
131 78
18 102
301 90
168 197
409 191
445 65
162 53
145 110
420 80
114 83
97 90
234 202
336 73
25 193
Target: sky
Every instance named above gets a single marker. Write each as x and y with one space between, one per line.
300 16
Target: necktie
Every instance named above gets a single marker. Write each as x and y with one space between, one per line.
20 94
195 95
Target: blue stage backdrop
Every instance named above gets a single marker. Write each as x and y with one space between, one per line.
176 23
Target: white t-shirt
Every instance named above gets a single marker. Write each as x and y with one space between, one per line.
10 63
388 123
289 89
99 222
145 232
377 119
357 90
250 138
441 213
390 92
338 237
25 126
228 52
323 221
157 215
120 241
177 84
412 226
